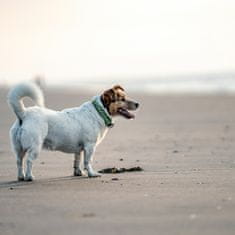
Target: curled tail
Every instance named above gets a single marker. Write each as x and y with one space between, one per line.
17 93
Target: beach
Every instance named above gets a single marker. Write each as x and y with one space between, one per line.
184 143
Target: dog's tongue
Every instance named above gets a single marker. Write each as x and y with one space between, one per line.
125 113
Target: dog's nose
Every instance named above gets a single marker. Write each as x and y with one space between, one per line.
137 105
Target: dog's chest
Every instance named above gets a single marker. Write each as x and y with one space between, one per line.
101 136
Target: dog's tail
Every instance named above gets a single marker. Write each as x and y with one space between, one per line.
17 93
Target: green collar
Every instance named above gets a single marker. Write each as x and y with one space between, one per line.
107 120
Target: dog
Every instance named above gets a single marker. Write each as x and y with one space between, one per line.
75 130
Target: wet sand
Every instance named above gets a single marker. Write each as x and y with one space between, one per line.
185 145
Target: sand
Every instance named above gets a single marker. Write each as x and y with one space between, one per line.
185 145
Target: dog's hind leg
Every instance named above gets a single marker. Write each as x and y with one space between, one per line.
88 152
15 134
77 164
20 166
32 155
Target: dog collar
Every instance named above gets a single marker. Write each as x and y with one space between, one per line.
107 120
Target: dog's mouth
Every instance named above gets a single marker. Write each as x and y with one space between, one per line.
125 113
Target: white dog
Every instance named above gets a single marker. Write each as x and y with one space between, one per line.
76 130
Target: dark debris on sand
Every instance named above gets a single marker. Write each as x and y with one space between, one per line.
115 170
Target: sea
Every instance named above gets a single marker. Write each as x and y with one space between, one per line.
209 84
217 84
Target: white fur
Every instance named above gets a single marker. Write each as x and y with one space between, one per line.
75 130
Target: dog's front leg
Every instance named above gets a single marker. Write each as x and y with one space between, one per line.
77 165
88 152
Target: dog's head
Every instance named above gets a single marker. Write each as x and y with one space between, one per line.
116 103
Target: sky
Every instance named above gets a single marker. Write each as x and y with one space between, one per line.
104 39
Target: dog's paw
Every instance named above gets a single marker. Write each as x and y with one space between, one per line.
79 173
94 174
20 178
29 178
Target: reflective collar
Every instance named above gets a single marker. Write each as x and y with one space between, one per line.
101 111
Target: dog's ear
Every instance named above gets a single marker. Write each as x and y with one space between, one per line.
108 97
116 87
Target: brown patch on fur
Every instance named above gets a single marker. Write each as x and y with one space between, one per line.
114 99
116 87
109 97
113 108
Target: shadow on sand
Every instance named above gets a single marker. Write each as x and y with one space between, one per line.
15 183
